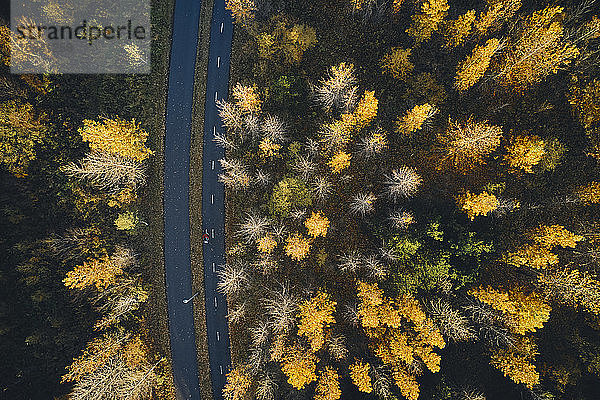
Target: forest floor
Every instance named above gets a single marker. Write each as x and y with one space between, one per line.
152 196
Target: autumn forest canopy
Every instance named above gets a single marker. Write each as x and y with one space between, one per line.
412 193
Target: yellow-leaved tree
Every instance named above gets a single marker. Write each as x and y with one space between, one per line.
359 373
396 63
328 385
117 136
238 383
317 225
266 244
98 273
247 98
428 20
538 253
589 193
242 11
339 162
399 333
21 130
540 48
414 119
495 15
95 355
474 66
299 365
339 132
524 153
465 145
516 362
524 312
456 31
477 204
297 247
316 316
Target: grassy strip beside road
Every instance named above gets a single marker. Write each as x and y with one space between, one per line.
196 198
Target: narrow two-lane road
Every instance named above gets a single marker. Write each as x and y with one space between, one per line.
213 197
176 197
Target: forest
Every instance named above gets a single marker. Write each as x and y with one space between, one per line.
412 199
80 282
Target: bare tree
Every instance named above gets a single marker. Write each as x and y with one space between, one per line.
237 313
279 231
74 243
350 262
266 264
338 90
252 124
232 279
337 348
402 183
350 314
115 380
490 323
263 178
389 254
253 227
382 383
266 388
402 219
321 187
108 171
374 267
119 301
274 129
471 394
451 322
298 213
260 334
235 174
362 204
281 308
124 257
231 115
505 205
305 167
312 147
372 144
223 141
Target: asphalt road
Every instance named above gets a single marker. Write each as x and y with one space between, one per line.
176 197
213 197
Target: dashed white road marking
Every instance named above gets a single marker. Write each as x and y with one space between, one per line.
218 62
221 369
214 130
218 336
221 27
213 267
212 199
216 94
215 302
212 233
212 164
